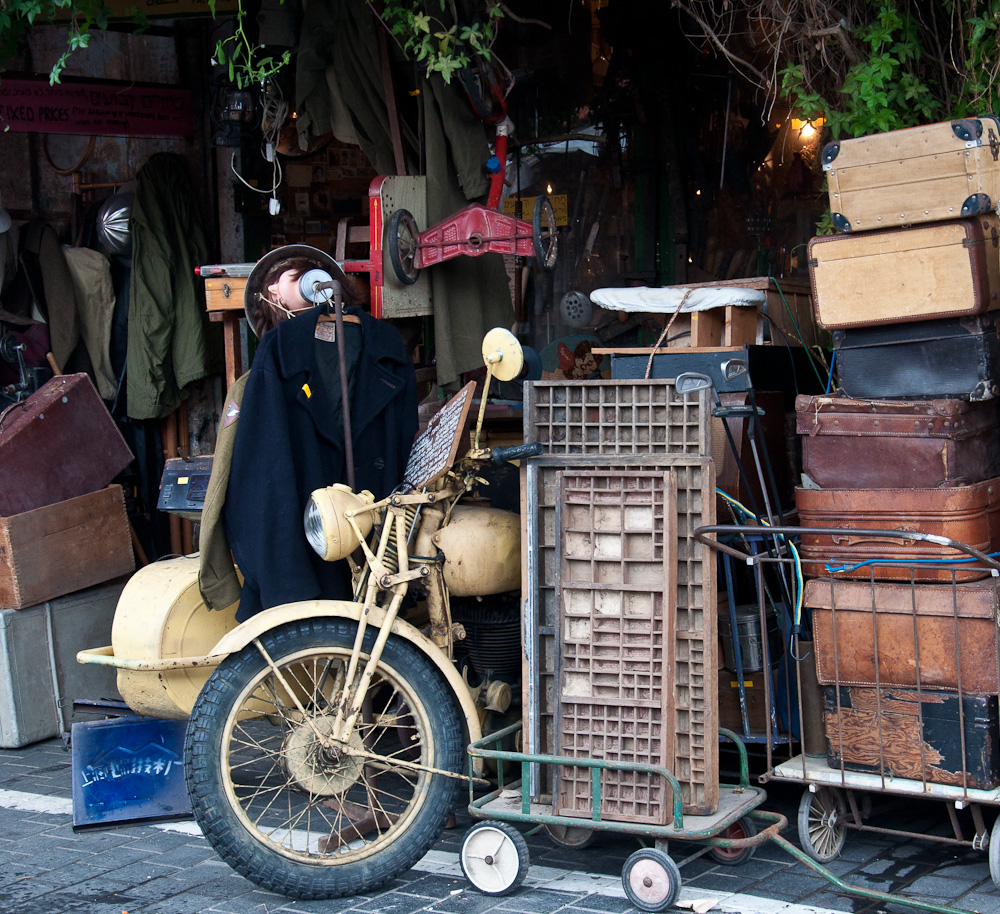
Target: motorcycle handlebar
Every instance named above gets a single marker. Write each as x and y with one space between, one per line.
516 452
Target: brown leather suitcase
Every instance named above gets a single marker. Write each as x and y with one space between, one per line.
968 514
921 174
883 444
931 736
930 635
943 269
59 444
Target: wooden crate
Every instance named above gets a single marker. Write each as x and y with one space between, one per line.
225 293
62 548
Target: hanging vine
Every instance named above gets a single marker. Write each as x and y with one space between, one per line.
863 66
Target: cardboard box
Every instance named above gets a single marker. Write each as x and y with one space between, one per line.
63 548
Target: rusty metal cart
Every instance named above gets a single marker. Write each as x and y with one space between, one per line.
919 633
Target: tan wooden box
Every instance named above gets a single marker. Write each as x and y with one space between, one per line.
63 548
225 293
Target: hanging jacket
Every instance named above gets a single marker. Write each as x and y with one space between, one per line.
217 578
290 442
166 339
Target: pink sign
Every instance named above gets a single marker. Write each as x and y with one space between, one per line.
94 107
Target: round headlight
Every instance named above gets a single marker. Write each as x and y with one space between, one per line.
314 528
330 533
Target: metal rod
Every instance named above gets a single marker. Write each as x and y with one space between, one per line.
345 393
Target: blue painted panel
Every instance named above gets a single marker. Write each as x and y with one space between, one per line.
128 769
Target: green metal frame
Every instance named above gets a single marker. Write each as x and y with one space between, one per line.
772 822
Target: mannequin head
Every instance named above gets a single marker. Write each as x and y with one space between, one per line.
272 291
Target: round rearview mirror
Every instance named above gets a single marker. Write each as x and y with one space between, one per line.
503 353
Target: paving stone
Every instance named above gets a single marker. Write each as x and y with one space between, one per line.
394 903
538 901
326 906
833 902
466 901
942 886
721 881
985 902
609 904
432 885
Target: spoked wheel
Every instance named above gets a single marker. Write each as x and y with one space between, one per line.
821 823
995 853
734 856
290 807
544 233
651 880
494 857
570 836
402 243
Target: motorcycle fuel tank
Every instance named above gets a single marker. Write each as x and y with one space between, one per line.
482 551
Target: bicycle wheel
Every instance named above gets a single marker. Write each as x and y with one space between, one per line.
287 806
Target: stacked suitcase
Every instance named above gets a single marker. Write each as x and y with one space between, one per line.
906 638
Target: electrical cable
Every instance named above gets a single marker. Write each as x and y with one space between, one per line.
799 580
275 111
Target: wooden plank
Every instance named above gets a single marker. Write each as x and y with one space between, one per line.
740 326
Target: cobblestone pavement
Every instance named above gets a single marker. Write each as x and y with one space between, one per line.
168 868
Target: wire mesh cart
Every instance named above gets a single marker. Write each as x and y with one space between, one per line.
900 632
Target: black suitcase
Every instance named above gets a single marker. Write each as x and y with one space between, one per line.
951 357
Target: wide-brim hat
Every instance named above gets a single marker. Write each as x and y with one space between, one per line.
255 281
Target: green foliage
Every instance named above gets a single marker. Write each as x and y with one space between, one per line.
430 34
247 62
886 90
906 69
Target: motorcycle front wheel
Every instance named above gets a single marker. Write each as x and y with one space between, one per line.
286 806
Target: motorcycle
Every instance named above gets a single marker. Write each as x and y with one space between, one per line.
325 747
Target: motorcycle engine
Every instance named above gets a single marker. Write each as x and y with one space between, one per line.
492 644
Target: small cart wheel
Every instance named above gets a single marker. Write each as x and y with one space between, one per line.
734 856
544 234
651 880
995 853
821 823
494 857
402 244
570 836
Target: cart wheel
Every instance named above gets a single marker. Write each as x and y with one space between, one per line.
995 853
734 856
651 880
570 836
494 857
821 823
402 245
544 233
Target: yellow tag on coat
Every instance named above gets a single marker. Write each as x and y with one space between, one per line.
308 392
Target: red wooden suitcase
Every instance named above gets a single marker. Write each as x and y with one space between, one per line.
937 636
944 269
60 443
967 514
920 174
884 444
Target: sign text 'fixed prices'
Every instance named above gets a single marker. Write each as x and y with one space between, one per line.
94 108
